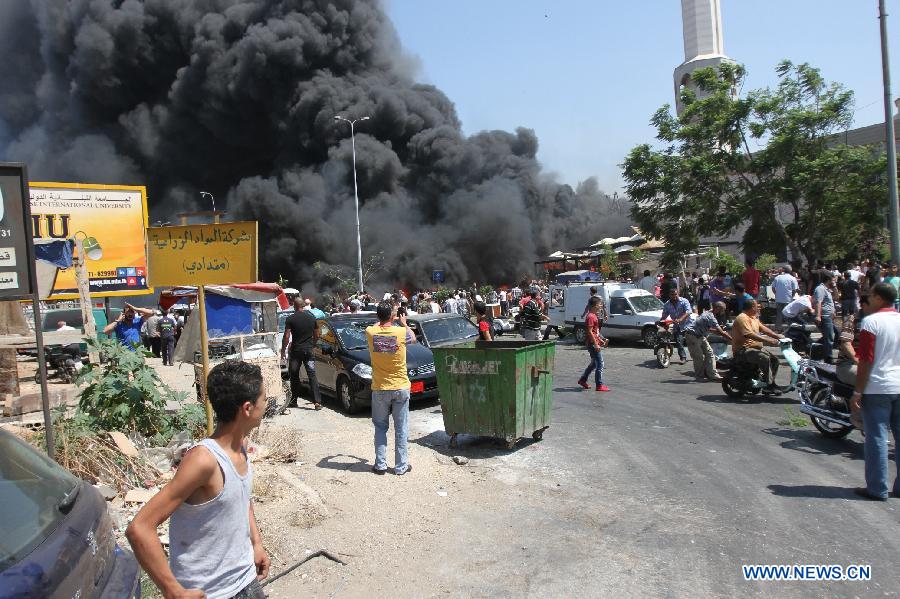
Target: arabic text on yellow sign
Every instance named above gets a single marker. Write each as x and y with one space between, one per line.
216 254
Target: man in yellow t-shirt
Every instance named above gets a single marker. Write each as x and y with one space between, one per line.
747 342
390 386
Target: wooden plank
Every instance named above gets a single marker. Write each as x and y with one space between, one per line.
50 338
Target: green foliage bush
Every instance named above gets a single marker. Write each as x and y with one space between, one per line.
123 393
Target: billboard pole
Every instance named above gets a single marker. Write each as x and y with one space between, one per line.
84 295
36 309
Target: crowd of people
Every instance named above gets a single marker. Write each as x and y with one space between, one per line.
212 484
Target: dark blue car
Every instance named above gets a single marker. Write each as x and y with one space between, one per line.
56 537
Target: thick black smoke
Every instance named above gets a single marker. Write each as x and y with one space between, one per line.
237 97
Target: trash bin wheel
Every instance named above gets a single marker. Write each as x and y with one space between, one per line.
538 434
510 444
453 441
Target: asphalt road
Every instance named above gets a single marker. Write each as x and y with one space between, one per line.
665 487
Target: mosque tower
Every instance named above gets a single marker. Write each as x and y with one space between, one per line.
704 45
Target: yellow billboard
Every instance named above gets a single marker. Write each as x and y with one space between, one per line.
114 215
216 254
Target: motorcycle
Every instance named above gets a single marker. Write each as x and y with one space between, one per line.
66 360
744 378
800 333
824 398
665 343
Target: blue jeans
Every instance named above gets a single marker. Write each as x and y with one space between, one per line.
678 336
596 365
827 330
880 412
384 405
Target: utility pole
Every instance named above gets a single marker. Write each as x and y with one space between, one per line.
890 138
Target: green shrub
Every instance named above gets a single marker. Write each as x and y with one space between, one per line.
123 393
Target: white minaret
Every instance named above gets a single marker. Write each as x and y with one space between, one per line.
703 41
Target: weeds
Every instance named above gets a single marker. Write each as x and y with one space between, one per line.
793 419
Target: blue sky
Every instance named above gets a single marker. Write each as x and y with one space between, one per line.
587 75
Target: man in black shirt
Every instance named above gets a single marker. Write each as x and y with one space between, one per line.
849 290
301 332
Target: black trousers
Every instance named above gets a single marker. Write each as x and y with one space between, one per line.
305 358
155 345
168 350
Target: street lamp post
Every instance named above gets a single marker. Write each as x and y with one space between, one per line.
890 138
356 196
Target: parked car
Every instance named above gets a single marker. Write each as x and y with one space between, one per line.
436 330
57 537
344 368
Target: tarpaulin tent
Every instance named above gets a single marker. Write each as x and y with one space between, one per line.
228 312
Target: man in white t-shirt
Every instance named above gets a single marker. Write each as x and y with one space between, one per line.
878 389
784 286
648 282
504 303
798 306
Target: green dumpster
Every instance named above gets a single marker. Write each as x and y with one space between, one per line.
500 389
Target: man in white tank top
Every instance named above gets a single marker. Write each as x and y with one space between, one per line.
215 547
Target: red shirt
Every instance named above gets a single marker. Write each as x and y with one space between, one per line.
593 329
483 327
751 281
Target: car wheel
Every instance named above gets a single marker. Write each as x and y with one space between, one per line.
580 335
650 336
345 396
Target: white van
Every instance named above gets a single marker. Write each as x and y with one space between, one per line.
633 312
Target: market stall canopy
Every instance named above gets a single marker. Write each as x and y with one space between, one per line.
576 276
251 292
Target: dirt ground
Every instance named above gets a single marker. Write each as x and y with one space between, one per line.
388 529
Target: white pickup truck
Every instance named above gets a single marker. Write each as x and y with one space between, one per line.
633 312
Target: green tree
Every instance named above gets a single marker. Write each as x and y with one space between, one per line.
800 188
609 262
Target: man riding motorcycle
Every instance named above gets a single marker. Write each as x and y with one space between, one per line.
747 343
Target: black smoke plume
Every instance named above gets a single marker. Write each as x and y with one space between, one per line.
238 97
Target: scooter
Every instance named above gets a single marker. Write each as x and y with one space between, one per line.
744 378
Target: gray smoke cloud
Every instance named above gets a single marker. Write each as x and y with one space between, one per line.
238 97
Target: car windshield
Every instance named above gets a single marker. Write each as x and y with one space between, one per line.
645 303
353 333
443 330
32 490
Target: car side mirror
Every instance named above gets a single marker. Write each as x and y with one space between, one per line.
628 312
